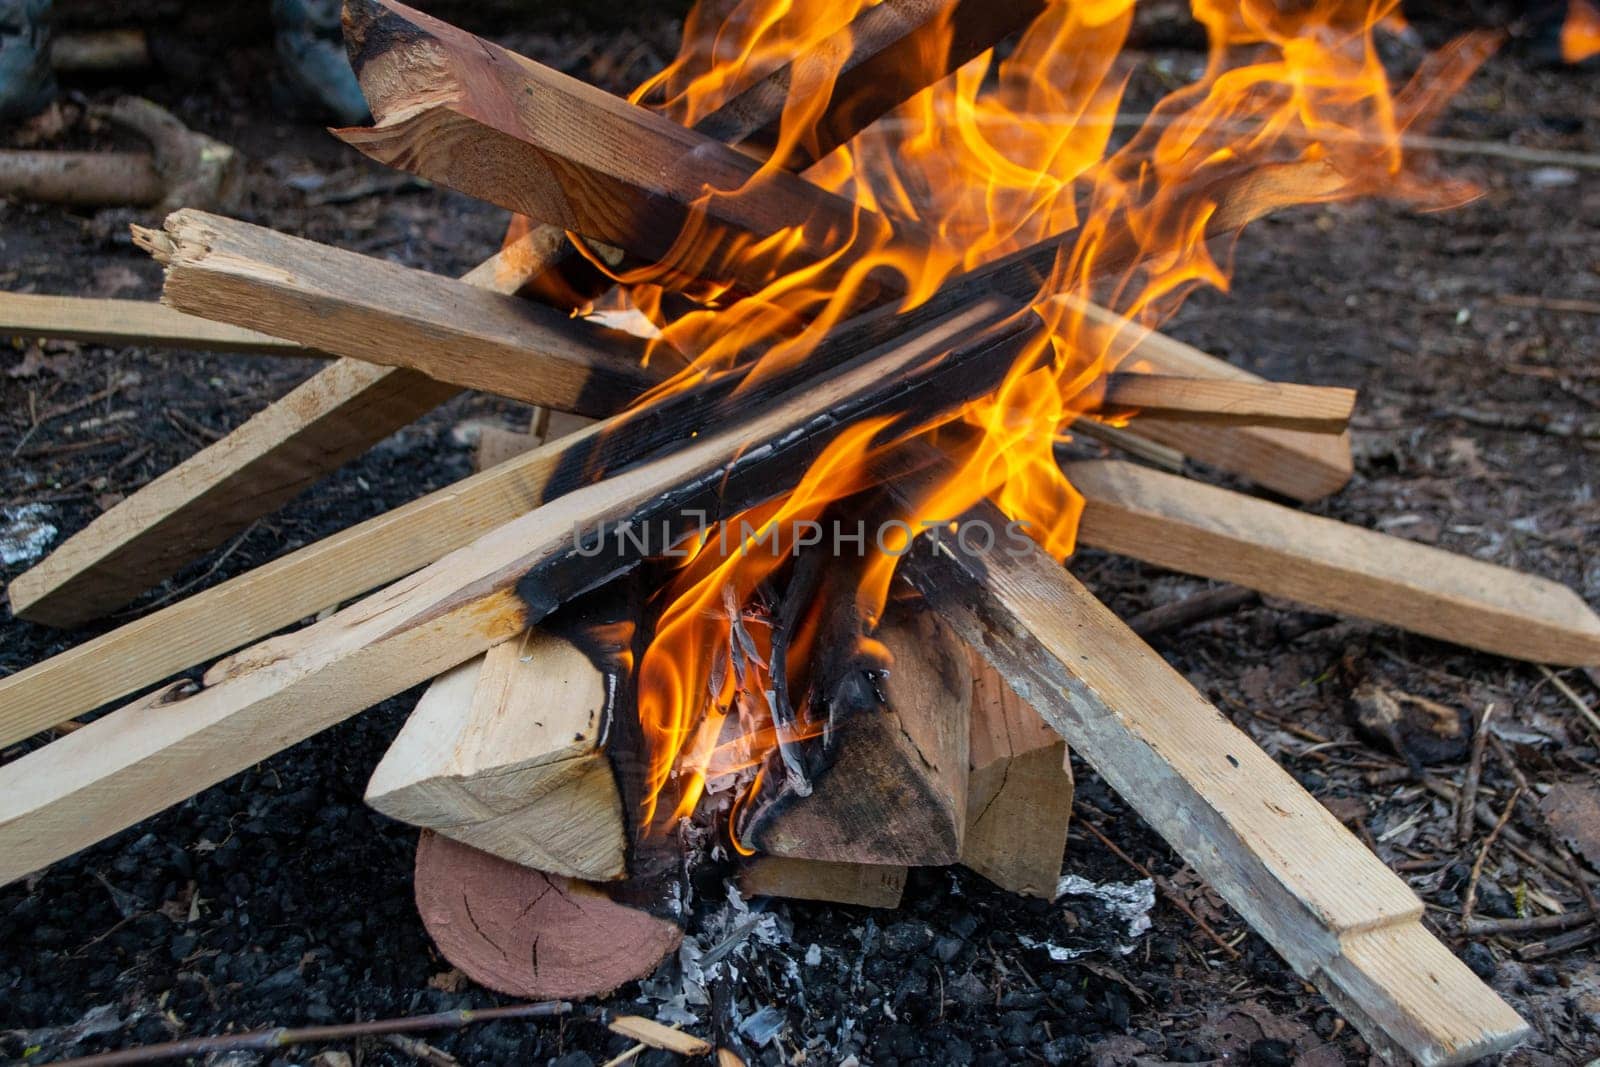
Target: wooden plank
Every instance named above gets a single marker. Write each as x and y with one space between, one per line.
505 753
353 561
130 322
897 791
1215 533
333 416
1300 465
1326 904
1019 792
864 885
482 120
1227 402
137 761
391 315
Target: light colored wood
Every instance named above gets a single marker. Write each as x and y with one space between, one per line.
497 444
531 934
333 416
1215 533
1301 465
1227 401
391 315
504 753
136 761
897 790
1019 791
1334 912
99 51
656 1035
130 322
865 885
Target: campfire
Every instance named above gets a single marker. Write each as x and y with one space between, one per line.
863 298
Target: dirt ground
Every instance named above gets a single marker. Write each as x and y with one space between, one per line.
277 897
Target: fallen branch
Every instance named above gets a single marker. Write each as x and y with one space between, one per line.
278 1037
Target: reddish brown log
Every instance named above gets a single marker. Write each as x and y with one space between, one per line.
529 934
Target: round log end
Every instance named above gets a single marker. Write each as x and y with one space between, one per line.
529 934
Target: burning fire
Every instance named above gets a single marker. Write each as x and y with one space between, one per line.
1580 34
1292 106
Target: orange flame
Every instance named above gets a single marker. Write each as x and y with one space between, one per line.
1580 34
1292 107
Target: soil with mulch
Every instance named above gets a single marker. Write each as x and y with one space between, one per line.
277 897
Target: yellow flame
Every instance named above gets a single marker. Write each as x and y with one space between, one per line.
1293 106
1580 33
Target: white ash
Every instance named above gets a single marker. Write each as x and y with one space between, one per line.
25 533
1129 901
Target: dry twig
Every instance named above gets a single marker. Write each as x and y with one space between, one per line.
1467 799
1471 896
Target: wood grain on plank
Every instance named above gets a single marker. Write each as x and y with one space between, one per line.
1227 402
865 885
130 322
1215 533
391 315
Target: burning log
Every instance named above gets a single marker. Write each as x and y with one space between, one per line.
137 761
499 127
1219 401
1212 532
893 50
375 310
1019 792
530 934
1331 908
865 885
331 417
897 791
130 322
505 753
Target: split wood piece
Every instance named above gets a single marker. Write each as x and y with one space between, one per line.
140 759
388 314
529 934
474 117
1224 402
1300 465
1309 887
897 790
130 322
889 53
344 565
866 885
1215 533
333 416
1019 793
505 753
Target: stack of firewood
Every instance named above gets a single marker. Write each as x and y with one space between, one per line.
522 761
